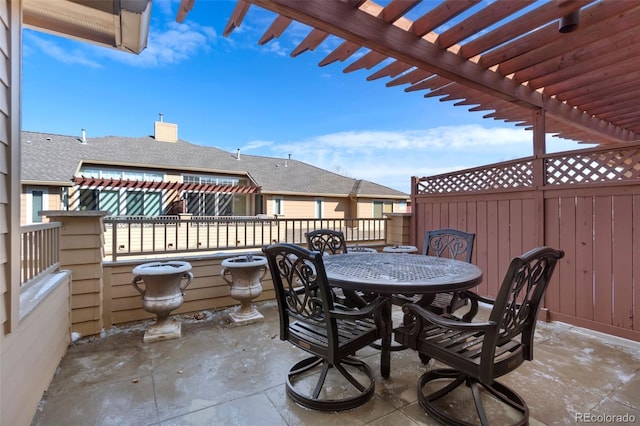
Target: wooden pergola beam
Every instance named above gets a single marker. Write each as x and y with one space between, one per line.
356 26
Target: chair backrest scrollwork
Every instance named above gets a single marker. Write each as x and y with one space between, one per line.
326 241
451 243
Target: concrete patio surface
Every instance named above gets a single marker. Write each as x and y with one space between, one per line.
219 374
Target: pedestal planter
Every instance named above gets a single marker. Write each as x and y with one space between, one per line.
162 293
245 285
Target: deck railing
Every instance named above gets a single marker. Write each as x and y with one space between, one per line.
40 251
143 236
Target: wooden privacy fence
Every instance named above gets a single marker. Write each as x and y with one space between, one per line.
585 202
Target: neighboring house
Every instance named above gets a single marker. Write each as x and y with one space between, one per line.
163 175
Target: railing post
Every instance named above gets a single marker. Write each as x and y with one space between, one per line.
82 251
397 229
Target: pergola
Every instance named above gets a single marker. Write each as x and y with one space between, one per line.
565 67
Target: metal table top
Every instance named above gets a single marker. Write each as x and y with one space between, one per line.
400 273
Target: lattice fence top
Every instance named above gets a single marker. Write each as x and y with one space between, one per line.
495 177
591 167
568 168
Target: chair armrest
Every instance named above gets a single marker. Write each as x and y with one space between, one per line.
473 296
425 315
364 312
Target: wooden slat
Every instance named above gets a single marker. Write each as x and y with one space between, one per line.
238 14
603 260
369 27
367 61
584 257
310 42
480 20
341 53
585 59
520 25
622 261
439 15
594 21
275 30
636 266
568 244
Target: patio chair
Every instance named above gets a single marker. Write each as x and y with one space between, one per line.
327 242
447 242
331 333
479 352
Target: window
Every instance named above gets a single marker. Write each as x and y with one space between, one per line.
153 204
119 174
259 200
37 203
212 180
110 201
380 207
278 206
319 209
88 199
209 204
225 204
135 206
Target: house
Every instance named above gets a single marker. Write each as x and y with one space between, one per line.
163 175
553 87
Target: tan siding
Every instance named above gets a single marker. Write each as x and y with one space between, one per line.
296 207
207 291
9 167
31 354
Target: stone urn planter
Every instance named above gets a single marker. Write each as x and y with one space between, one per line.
245 285
162 292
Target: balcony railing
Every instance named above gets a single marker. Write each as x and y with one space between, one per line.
40 251
142 236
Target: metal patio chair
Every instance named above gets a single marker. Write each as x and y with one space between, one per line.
479 352
447 242
331 333
327 242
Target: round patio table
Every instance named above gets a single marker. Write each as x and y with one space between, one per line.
389 273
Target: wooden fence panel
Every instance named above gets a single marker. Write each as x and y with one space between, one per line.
584 252
622 261
589 206
552 239
603 265
636 263
568 244
481 251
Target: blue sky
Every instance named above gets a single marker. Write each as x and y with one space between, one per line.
231 93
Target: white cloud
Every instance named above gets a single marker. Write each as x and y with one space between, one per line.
173 44
168 43
34 42
390 158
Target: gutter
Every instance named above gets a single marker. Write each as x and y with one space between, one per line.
118 24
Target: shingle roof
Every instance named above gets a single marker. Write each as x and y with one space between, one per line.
57 158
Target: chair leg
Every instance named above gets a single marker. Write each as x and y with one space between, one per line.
498 390
314 401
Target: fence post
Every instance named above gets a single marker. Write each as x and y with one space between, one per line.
82 251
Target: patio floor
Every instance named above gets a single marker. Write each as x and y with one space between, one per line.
217 374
